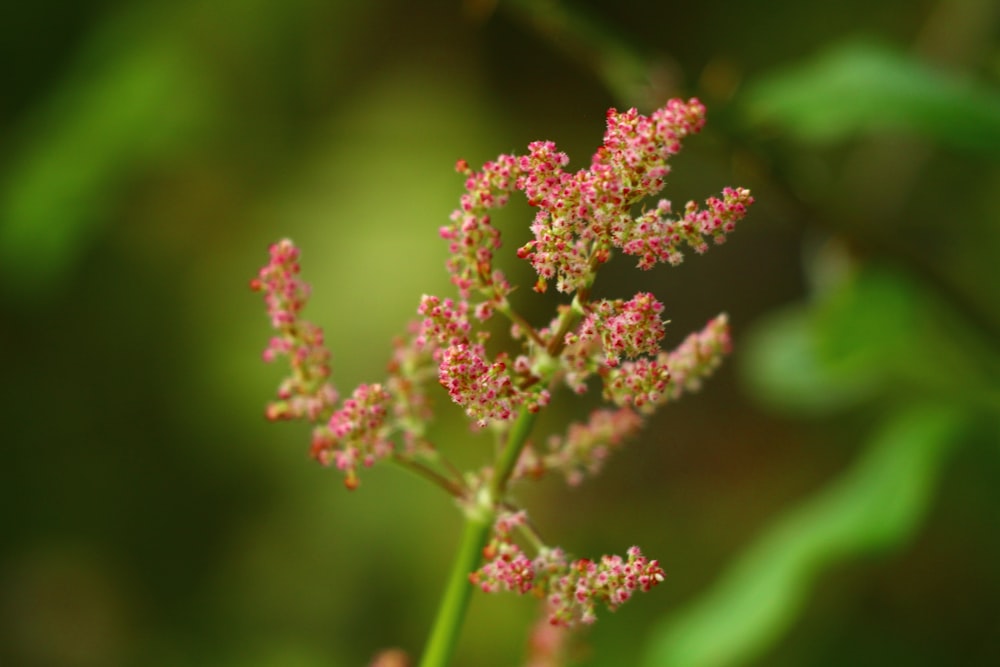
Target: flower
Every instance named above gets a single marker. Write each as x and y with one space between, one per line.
581 218
611 580
697 357
472 237
306 393
584 448
630 329
348 434
583 215
656 237
572 589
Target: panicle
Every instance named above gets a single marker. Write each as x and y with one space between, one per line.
472 238
581 216
357 431
572 589
584 448
696 358
306 393
627 328
357 434
657 237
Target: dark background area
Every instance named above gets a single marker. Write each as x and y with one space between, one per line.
150 152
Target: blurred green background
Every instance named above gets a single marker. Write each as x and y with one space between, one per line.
830 498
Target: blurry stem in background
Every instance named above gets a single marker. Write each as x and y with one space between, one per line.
454 488
479 517
631 78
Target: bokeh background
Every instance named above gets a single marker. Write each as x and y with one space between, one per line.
830 498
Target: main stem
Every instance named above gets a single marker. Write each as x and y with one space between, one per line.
479 518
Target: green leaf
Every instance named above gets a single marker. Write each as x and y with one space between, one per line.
857 88
875 506
135 97
882 322
784 369
876 331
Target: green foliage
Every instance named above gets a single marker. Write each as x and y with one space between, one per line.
874 506
878 337
866 342
861 88
135 99
875 336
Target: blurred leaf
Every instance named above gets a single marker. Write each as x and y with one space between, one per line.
870 319
858 88
874 331
135 95
783 368
874 506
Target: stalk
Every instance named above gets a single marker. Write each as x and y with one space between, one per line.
478 524
451 613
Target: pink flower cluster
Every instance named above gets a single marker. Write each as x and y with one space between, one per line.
638 386
580 214
572 589
581 219
583 215
584 448
483 389
486 389
357 433
655 237
350 433
472 237
630 328
306 393
697 357
610 581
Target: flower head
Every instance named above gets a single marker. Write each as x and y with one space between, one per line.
611 581
306 392
697 357
581 218
358 433
584 448
472 238
626 328
573 589
350 433
657 237
583 215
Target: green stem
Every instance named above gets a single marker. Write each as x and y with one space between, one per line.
516 318
516 439
479 518
567 319
455 488
451 613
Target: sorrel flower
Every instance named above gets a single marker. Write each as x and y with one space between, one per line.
306 393
581 220
572 589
